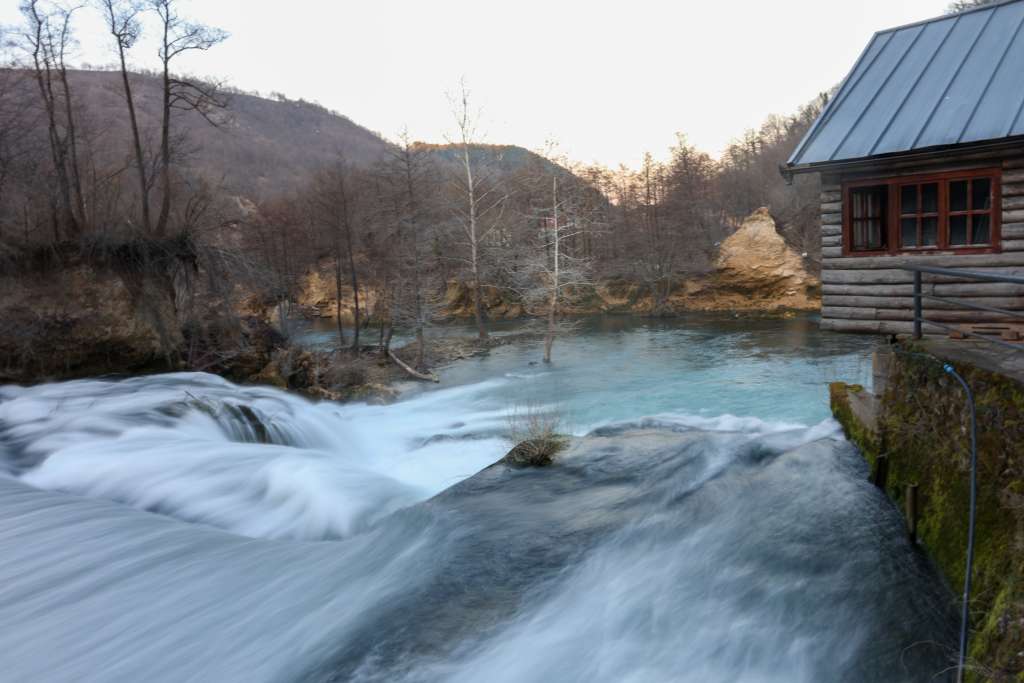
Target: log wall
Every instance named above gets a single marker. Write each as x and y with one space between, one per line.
870 294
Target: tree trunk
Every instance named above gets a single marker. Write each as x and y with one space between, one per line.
140 163
165 145
354 280
473 245
405 366
337 293
549 338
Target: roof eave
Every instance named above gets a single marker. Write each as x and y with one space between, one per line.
790 170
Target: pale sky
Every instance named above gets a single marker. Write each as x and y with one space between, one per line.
606 80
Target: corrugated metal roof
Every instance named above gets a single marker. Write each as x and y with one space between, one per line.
952 80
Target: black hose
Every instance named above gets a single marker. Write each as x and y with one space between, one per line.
965 606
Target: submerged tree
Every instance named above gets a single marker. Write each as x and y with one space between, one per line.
552 271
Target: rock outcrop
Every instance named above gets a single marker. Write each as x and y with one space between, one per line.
756 269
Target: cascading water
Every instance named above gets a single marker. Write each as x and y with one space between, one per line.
301 541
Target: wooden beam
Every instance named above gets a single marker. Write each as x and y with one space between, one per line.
867 326
1012 189
1012 303
831 196
1011 203
967 261
869 314
896 276
1013 231
832 241
967 289
831 230
832 218
832 207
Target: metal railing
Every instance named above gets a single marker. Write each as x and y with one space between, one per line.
919 297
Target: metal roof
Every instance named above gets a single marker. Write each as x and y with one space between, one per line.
947 81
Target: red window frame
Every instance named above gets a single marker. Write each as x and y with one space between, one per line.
894 213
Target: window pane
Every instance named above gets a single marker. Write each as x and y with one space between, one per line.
868 209
908 232
929 232
930 198
868 202
958 195
908 199
980 229
958 230
981 194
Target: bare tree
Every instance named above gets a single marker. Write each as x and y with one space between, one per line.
122 19
482 202
409 171
178 36
963 5
46 39
335 193
552 271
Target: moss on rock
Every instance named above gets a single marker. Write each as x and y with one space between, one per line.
924 426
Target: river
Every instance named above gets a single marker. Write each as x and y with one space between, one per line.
713 526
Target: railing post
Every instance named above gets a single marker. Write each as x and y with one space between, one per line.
917 304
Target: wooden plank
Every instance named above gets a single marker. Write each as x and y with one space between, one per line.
1012 203
1016 216
867 326
869 314
831 252
831 196
1013 231
907 302
967 289
832 241
832 207
897 276
832 219
1015 162
833 230
1011 177
1013 245
827 186
873 277
947 260
1012 189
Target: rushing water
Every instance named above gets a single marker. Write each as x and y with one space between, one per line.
713 526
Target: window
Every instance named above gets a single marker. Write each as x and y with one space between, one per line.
868 209
919 215
955 211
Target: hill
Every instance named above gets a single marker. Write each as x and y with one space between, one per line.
260 147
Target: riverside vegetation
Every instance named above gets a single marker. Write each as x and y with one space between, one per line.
150 221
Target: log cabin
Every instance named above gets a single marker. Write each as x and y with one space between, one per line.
921 158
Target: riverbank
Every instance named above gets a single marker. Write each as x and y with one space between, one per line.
917 418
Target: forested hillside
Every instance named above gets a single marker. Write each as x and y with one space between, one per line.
208 205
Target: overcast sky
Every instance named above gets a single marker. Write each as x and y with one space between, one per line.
607 80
